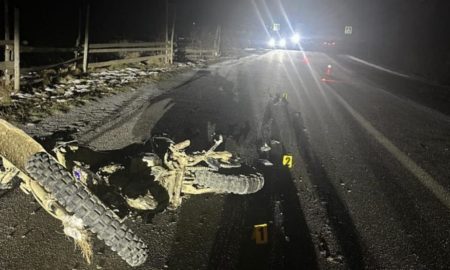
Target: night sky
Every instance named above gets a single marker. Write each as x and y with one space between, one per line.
144 19
404 33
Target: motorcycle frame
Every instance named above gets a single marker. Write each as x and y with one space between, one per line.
173 174
179 164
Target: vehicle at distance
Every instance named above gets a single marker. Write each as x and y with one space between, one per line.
329 43
282 42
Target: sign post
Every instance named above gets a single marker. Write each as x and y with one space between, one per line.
276 27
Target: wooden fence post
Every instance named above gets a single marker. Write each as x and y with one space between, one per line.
215 38
172 36
7 46
16 50
86 40
167 31
218 36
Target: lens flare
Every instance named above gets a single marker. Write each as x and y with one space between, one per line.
295 38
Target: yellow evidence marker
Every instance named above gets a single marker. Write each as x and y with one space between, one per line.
260 234
285 96
288 161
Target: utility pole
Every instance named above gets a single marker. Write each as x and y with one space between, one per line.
86 40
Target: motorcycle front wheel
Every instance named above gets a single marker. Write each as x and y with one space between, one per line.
79 201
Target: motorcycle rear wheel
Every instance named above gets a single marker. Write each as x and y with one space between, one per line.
236 184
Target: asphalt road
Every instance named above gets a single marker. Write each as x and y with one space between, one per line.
369 187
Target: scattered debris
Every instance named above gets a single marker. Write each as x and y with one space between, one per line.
335 259
265 148
265 162
146 202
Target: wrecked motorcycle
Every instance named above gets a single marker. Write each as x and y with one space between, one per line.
173 170
63 197
63 185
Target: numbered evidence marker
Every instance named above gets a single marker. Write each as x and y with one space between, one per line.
260 234
287 161
285 96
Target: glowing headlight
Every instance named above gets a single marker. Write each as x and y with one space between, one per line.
271 42
282 42
295 38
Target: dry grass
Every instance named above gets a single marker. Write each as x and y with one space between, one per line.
73 228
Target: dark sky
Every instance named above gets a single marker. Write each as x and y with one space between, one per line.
56 21
409 34
396 25
144 19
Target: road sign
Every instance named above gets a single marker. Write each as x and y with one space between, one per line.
348 30
276 27
287 161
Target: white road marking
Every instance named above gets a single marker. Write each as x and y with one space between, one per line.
425 178
378 67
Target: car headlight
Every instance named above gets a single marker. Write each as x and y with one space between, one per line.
295 38
271 42
282 42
